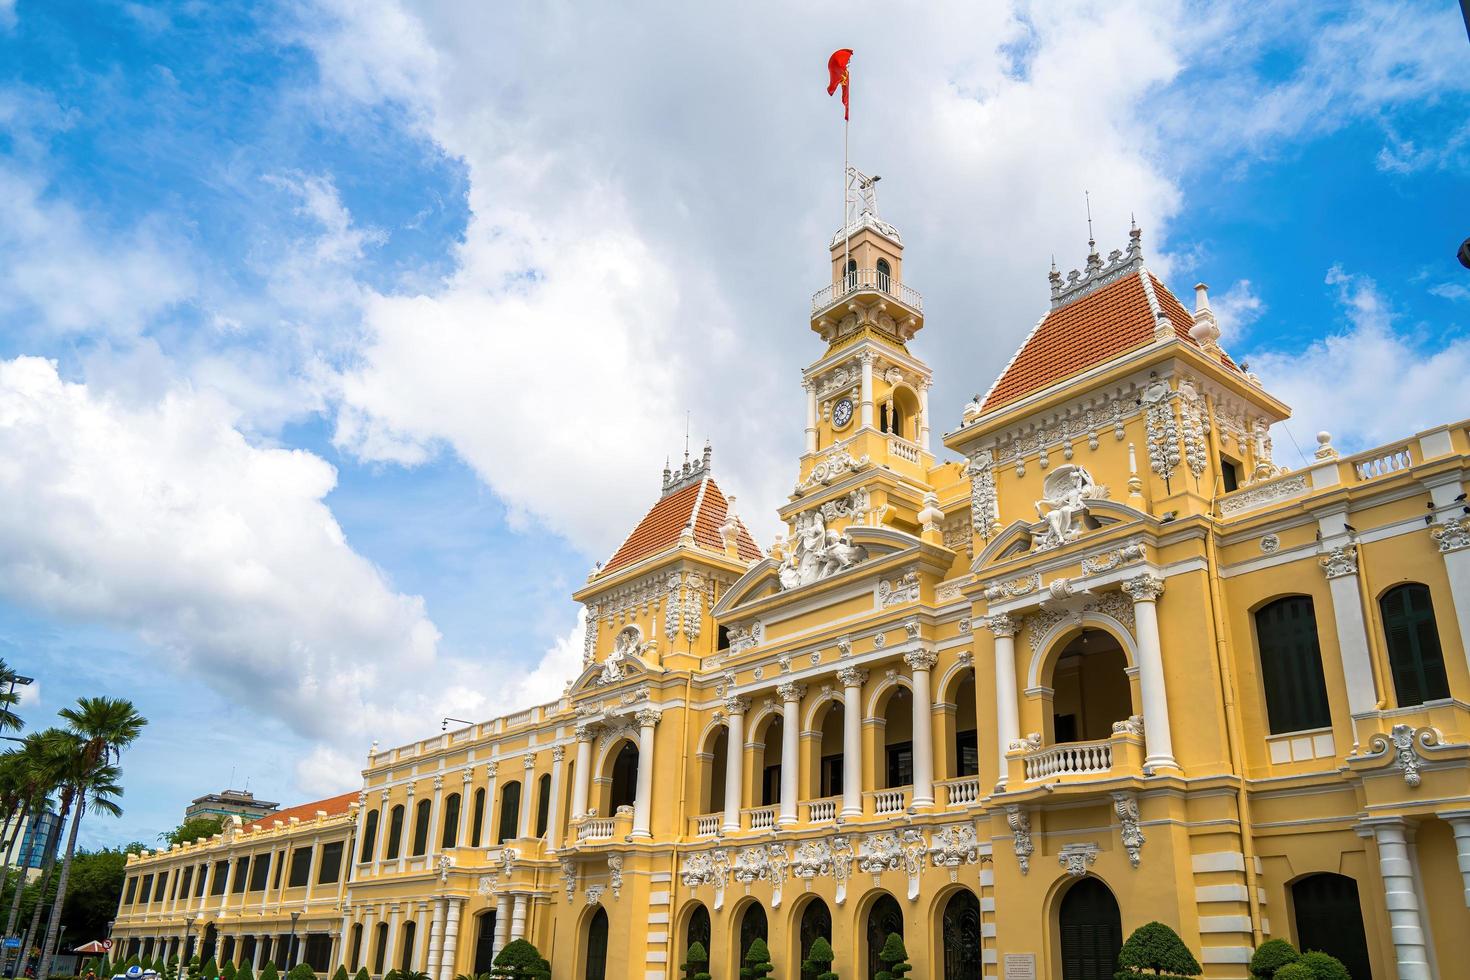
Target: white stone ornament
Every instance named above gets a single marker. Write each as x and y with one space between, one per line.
818 552
1064 505
1403 741
1125 805
1452 535
1019 821
954 846
1077 858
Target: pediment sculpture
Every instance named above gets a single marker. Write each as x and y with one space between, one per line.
627 649
817 552
1064 507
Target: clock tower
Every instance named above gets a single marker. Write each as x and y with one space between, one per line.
867 396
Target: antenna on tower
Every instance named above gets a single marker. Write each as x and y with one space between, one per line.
1087 200
686 437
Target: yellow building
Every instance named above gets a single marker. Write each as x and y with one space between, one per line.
1103 662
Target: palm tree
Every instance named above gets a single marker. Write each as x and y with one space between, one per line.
55 752
28 777
104 727
9 699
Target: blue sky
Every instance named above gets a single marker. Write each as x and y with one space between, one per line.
338 340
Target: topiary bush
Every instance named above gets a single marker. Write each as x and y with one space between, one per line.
1271 956
1156 950
695 962
894 957
269 971
210 970
245 973
1324 966
341 973
302 971
757 961
819 960
519 960
362 974
227 972
1294 971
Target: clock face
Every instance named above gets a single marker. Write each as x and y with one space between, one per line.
842 413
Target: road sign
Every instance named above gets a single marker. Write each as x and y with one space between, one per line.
12 942
107 945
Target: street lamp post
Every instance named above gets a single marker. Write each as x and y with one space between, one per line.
184 949
291 943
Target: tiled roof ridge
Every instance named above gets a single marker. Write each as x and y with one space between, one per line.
332 806
698 503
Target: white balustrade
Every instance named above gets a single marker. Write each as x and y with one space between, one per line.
903 449
521 718
1378 463
822 811
707 825
596 828
887 801
1070 759
867 279
762 817
961 792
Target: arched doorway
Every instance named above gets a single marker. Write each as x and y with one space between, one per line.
1090 688
1091 931
961 936
485 942
752 927
829 758
624 778
597 946
884 917
768 762
898 740
714 771
697 930
1329 917
816 923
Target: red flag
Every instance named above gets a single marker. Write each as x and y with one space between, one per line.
837 74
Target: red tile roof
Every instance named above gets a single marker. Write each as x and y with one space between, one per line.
305 812
1086 332
666 520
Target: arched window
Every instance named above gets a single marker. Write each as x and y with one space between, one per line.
405 951
1091 931
369 836
1090 689
421 827
752 927
816 923
966 761
885 273
698 930
475 828
898 740
624 777
597 946
1291 665
450 836
961 937
1414 654
1329 917
380 947
543 803
851 269
354 955
485 942
395 832
715 772
510 812
885 918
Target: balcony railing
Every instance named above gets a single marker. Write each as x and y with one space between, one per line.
761 817
822 811
708 824
1070 759
596 828
1382 462
960 792
903 449
887 801
865 280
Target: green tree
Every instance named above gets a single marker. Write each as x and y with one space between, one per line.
301 971
1295 971
170 969
210 971
695 962
362 974
1324 966
341 973
227 972
54 753
269 971
894 957
757 961
1271 956
244 972
1157 950
195 828
519 960
96 887
104 726
819 960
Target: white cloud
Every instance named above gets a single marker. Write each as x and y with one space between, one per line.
1454 291
1237 308
7 14
1332 384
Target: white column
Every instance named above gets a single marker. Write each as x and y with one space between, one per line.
352 858
867 389
1452 536
388 961
431 846
423 933
1340 564
518 917
259 951
921 662
436 938
382 840
1459 821
734 758
810 385
405 833
553 825
852 679
924 417
582 778
454 912
791 694
528 787
312 869
1145 590
487 819
643 799
1401 896
466 804
1007 723
502 921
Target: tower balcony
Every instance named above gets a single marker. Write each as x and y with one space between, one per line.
873 282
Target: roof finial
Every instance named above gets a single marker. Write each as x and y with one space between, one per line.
1087 201
686 438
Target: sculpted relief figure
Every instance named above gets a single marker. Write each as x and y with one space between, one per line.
818 552
1067 492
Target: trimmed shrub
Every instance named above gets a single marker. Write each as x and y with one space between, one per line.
341 973
210 970
895 958
519 960
1324 966
269 971
303 972
245 972
362 974
819 960
1294 971
1271 956
757 961
1156 950
227 972
695 961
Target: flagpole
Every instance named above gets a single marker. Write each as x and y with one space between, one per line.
846 188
